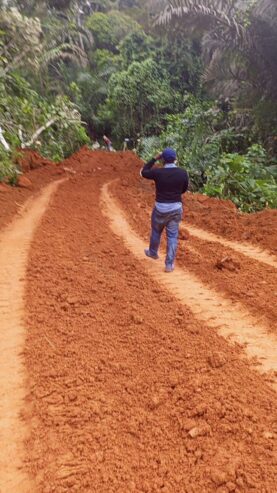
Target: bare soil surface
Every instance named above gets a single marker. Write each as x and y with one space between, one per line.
130 387
14 246
250 251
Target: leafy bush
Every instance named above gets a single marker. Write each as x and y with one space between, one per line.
23 111
149 147
139 99
190 133
8 170
61 142
109 29
136 47
244 179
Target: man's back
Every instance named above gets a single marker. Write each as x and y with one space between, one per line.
171 182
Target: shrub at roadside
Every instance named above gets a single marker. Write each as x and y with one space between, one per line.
29 120
240 178
8 170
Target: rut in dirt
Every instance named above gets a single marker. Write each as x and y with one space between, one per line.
207 305
14 246
248 250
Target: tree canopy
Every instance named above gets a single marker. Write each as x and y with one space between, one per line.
197 74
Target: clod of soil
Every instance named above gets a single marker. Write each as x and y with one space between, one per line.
217 360
24 182
184 234
29 159
227 263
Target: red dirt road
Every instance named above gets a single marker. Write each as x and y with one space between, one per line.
128 389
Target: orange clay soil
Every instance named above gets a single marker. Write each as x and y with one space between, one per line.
128 390
222 217
14 249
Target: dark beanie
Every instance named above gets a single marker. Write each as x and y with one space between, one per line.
169 155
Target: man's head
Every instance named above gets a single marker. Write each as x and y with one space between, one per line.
169 155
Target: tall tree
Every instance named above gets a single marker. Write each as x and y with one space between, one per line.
237 40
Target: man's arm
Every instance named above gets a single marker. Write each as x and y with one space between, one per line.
186 183
147 171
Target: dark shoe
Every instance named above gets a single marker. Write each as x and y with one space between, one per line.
148 254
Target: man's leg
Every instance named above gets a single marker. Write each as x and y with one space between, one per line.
172 233
155 238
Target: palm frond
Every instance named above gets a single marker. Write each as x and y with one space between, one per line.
219 16
62 52
238 39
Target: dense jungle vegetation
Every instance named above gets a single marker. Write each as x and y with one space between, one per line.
199 75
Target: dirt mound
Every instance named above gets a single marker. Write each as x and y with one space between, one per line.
88 161
30 159
227 263
4 188
222 217
78 157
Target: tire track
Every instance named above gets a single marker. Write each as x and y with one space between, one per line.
231 320
240 279
242 248
14 246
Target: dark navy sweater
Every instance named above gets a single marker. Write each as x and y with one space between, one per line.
170 183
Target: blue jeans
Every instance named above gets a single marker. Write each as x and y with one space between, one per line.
170 221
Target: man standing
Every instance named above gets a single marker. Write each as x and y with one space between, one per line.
171 182
125 144
108 143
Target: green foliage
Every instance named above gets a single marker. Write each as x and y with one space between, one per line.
66 43
20 41
139 98
102 60
89 90
237 40
181 59
244 179
265 123
149 147
60 141
23 111
136 47
111 28
8 170
190 134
